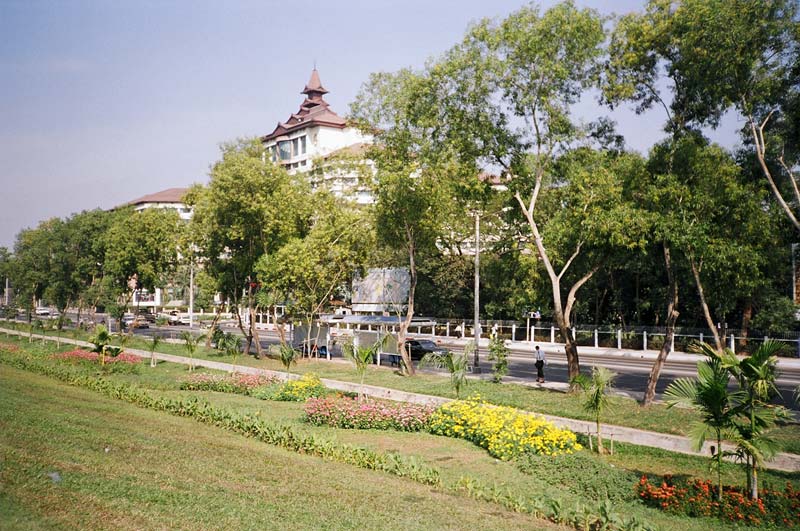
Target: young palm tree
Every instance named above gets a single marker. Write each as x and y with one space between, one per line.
456 364
229 344
361 357
101 340
709 395
596 394
286 354
155 340
756 375
190 343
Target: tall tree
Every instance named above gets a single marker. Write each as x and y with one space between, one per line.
141 250
309 271
718 55
251 207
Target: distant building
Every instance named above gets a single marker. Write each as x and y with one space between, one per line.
169 198
316 135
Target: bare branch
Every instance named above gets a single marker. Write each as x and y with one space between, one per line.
574 290
571 258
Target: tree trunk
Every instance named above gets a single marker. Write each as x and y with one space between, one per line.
253 330
747 318
406 323
214 323
704 305
599 437
671 319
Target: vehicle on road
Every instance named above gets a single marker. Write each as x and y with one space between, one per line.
417 348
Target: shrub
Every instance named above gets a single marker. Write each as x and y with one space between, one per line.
343 412
583 474
308 386
505 432
698 498
241 384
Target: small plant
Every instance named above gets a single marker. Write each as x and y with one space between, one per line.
190 342
456 364
498 354
308 386
155 340
361 357
101 339
596 391
229 344
286 354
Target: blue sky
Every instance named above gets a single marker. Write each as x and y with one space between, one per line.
102 102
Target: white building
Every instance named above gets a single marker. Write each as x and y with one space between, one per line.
316 135
169 198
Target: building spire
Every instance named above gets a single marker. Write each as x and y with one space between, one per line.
314 89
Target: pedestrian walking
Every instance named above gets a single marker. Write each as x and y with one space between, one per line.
540 361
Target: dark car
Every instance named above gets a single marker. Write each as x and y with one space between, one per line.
147 316
417 348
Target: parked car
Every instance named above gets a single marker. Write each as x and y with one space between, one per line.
147 316
42 311
417 348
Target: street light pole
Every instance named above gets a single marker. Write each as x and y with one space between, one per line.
191 294
477 328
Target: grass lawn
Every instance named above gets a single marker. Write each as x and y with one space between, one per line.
121 467
454 459
623 411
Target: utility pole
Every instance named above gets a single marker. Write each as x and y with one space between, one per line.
477 328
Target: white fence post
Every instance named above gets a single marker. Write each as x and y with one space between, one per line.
733 346
575 334
514 332
447 329
595 339
619 339
552 334
463 329
644 340
672 344
701 337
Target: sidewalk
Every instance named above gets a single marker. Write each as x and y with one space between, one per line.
675 443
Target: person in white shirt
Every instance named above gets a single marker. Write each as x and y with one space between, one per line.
540 361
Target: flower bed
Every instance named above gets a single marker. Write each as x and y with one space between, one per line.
344 412
504 431
308 386
699 498
9 347
241 384
83 355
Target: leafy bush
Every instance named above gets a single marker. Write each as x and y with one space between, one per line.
699 498
343 412
308 386
505 432
583 474
241 384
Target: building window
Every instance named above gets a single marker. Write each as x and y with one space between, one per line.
302 162
285 150
303 144
295 146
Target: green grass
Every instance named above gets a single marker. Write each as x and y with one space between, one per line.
623 411
454 458
126 468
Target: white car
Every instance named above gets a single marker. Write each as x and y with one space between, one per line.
42 311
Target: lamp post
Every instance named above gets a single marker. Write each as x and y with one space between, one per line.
477 328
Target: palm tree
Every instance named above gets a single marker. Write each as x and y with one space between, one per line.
361 357
756 375
155 340
286 354
456 364
101 339
190 343
596 394
229 344
709 395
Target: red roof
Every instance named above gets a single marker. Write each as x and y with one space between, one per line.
170 195
313 111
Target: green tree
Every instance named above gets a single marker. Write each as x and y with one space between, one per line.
709 395
141 251
190 343
756 375
153 343
596 389
718 54
310 270
101 341
457 364
229 343
498 355
250 208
